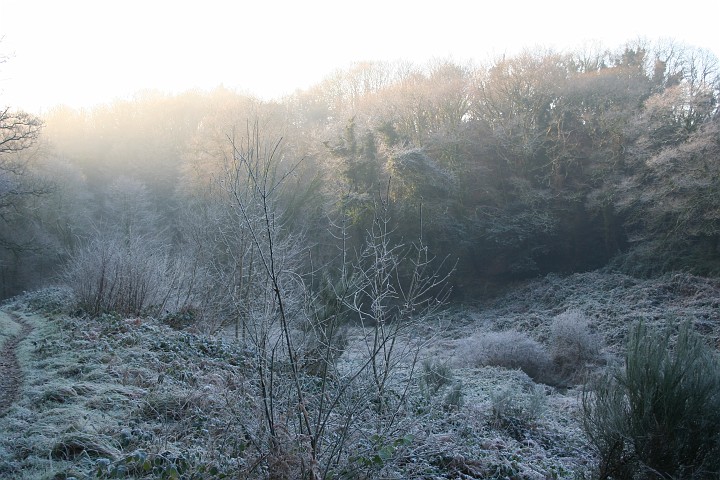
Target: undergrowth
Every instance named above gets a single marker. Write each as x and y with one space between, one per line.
117 397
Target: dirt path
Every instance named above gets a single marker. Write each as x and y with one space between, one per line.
11 377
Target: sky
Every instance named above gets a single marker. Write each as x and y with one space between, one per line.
82 53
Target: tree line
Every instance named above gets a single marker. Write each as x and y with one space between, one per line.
533 163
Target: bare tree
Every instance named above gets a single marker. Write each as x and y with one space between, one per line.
395 287
18 132
314 410
21 236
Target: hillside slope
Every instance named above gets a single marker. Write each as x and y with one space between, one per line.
133 398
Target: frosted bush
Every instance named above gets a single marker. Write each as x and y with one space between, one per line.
123 275
510 349
572 345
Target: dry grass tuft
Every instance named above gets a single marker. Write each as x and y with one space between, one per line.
72 446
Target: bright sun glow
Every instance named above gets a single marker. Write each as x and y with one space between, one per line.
82 53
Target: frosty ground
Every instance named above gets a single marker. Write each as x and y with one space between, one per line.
117 397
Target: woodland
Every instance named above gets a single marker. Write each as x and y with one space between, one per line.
541 162
329 236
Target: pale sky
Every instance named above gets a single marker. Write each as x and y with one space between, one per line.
81 53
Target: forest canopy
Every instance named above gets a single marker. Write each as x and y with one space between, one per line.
534 163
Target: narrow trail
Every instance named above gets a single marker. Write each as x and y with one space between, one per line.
11 377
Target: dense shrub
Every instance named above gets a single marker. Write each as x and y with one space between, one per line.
184 317
572 345
510 349
659 417
112 274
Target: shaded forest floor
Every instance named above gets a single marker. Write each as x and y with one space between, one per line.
134 398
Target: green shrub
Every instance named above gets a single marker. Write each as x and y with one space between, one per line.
185 317
659 417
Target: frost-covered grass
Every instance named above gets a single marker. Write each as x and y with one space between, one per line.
102 397
132 398
611 302
50 300
8 328
52 407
